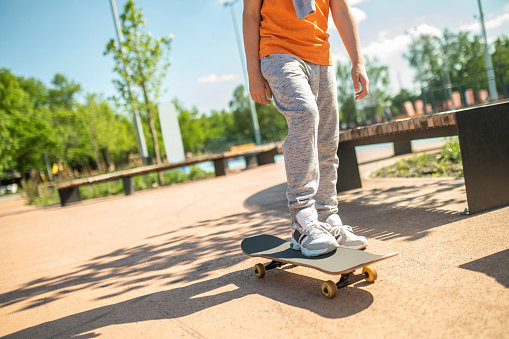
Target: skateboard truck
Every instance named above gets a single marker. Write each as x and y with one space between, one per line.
329 288
351 278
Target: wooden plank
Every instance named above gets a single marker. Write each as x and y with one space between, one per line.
156 168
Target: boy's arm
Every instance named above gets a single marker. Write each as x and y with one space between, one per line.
347 28
258 86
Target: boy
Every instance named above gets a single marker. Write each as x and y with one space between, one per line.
288 58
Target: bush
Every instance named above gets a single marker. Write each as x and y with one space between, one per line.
447 163
108 188
30 190
102 189
198 173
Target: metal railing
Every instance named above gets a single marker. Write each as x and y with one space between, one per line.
471 89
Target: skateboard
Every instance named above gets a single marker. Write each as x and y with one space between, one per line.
342 261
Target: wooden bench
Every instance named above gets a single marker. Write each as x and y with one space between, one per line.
483 134
255 156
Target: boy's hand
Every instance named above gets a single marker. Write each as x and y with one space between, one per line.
360 82
259 89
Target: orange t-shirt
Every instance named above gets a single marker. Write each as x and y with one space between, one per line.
282 32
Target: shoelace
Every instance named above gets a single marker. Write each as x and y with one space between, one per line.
316 227
337 230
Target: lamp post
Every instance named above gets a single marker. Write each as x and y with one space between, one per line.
490 74
254 116
142 145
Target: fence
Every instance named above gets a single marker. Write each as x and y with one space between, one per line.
471 89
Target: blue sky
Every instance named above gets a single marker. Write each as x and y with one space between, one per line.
41 38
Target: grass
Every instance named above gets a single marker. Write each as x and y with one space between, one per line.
446 163
45 196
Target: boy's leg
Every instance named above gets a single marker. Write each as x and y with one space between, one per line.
326 201
289 80
292 82
328 137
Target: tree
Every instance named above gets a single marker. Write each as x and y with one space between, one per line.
25 131
37 91
347 106
379 89
400 98
63 95
352 112
500 59
218 124
272 123
500 54
239 104
103 131
143 61
191 128
37 122
454 57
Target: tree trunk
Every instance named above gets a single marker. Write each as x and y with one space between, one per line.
154 132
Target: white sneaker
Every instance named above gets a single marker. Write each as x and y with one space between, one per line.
311 237
344 234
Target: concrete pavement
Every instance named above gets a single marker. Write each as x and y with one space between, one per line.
167 263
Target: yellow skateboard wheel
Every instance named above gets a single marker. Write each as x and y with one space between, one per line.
370 272
329 289
259 270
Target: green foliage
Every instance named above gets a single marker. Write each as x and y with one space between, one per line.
451 151
352 112
35 121
103 189
24 128
30 190
459 56
142 62
240 107
272 123
217 131
500 58
198 173
347 106
400 98
114 187
192 128
447 163
63 95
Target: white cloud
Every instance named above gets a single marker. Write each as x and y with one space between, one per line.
358 14
387 48
389 51
214 78
425 29
490 24
356 2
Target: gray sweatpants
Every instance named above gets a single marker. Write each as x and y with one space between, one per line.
306 95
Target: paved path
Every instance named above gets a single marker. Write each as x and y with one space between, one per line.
166 263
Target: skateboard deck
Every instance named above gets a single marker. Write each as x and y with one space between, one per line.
342 261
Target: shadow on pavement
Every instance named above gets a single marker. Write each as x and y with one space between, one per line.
494 265
184 263
179 302
217 241
377 213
